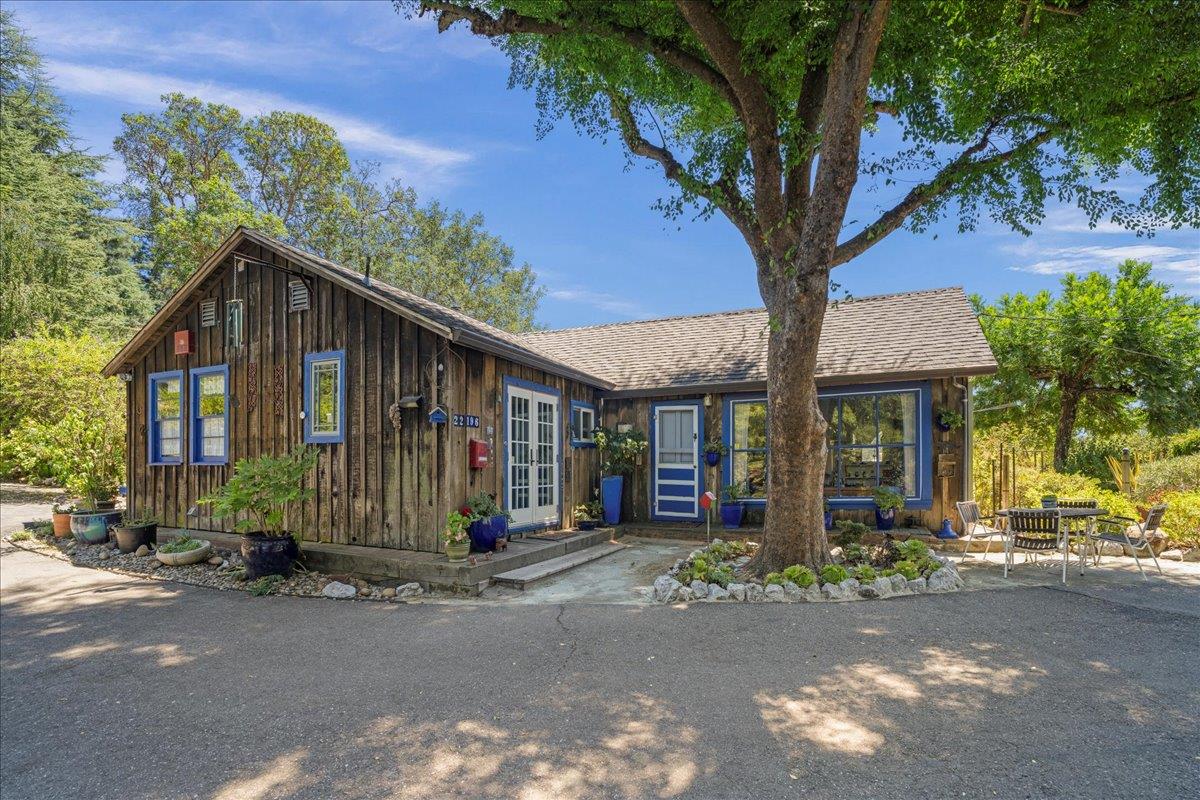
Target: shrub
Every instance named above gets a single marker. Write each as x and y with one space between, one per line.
912 549
263 488
1066 486
849 532
800 575
1182 521
1181 474
928 565
865 573
700 568
181 545
773 578
722 576
888 499
854 553
619 452
833 573
906 568
20 536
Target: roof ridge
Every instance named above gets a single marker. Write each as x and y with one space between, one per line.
733 312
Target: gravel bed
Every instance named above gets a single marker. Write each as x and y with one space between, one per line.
224 570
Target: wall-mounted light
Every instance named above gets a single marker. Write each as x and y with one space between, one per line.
125 377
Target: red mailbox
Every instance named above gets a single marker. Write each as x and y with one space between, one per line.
477 453
185 343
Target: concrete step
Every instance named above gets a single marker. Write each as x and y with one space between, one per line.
523 576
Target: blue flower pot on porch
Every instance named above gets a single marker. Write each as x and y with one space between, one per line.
731 515
885 520
485 532
828 520
712 458
610 495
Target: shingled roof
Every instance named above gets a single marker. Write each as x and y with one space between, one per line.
909 335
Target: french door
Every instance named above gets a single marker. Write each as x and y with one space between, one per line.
676 481
533 457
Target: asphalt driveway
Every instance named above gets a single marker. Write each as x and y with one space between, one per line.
123 688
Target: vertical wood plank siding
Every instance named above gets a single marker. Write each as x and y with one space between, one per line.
382 487
946 490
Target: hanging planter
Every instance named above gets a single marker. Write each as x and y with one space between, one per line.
947 419
713 450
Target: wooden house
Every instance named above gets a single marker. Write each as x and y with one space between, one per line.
415 406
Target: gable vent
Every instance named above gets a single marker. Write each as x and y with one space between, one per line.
208 313
297 296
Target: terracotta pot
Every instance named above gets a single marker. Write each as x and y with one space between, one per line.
62 524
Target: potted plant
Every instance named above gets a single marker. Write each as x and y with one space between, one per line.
182 551
887 502
588 514
90 525
60 518
94 464
828 515
713 450
135 531
263 488
619 454
458 541
732 508
488 527
949 419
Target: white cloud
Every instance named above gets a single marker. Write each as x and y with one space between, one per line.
609 303
419 163
1181 263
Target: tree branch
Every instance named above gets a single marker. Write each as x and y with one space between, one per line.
510 22
808 111
723 194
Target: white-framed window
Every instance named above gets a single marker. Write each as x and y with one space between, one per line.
210 415
583 424
325 397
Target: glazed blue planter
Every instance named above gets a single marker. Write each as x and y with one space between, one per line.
610 496
947 531
485 532
828 520
885 520
712 459
731 515
91 527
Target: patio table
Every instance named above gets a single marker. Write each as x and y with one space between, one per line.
1070 514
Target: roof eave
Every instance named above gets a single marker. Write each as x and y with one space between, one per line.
499 348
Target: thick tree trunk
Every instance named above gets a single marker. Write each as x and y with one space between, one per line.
1067 412
794 529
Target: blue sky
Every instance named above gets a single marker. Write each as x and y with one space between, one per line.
435 110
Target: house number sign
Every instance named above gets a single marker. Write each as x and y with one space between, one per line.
465 421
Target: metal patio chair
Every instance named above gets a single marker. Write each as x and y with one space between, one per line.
1033 530
1083 529
975 527
1116 529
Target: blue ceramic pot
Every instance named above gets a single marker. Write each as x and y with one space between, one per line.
947 531
485 532
885 520
712 458
731 515
91 527
828 520
610 495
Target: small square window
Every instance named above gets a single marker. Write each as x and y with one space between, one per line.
583 424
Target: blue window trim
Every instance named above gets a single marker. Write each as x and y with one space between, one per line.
729 402
325 438
924 440
152 440
510 382
699 406
924 498
590 407
197 449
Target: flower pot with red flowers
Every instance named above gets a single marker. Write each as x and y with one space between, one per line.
488 527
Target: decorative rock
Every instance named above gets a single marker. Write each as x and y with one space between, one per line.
883 587
899 583
1192 555
812 593
142 550
945 579
835 591
666 588
775 593
917 586
850 585
699 588
410 590
103 555
364 590
737 591
338 590
869 591
754 593
793 592
216 561
684 594
716 593
389 592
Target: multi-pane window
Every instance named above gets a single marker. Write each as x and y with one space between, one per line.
748 447
325 397
520 463
872 441
165 431
210 415
583 424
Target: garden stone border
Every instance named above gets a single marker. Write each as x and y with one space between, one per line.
668 590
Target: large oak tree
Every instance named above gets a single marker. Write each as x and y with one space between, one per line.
758 109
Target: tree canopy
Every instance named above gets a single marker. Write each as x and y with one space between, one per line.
758 110
1107 355
196 170
64 261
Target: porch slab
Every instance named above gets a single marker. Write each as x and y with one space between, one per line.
523 576
431 570
695 532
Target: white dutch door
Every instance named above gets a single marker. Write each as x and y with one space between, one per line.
676 461
533 443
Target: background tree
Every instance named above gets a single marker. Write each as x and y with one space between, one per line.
197 170
1106 356
758 111
63 262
